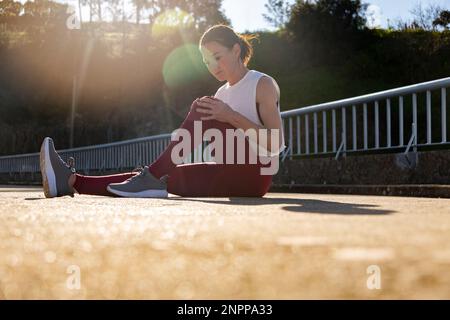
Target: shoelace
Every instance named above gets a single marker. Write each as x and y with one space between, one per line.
139 169
71 164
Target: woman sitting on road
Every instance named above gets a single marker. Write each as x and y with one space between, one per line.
248 101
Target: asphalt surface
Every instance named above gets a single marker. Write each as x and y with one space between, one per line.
284 246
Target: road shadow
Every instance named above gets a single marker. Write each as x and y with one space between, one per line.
289 204
300 205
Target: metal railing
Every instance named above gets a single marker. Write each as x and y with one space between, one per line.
110 156
399 115
407 114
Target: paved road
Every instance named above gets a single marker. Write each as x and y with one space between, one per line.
285 246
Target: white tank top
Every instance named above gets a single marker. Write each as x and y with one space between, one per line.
241 97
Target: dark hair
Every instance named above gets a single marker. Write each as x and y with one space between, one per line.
228 38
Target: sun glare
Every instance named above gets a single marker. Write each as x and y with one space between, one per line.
170 21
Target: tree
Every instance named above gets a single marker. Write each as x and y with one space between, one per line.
424 17
139 5
279 12
326 19
327 31
45 13
114 7
9 11
80 4
10 8
443 20
204 14
95 8
99 9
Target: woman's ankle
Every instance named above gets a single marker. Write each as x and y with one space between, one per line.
71 181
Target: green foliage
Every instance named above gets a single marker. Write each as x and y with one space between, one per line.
328 18
443 20
326 28
279 12
10 8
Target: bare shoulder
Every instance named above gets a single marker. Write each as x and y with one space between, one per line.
267 90
219 91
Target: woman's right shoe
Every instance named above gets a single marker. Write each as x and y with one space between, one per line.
142 185
55 172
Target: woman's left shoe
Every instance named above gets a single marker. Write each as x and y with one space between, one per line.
55 172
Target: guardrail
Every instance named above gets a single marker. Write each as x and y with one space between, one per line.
402 103
407 114
117 155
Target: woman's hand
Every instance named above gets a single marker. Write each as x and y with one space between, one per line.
214 109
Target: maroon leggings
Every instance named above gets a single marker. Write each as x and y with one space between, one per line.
196 179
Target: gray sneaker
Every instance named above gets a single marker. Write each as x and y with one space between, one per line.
142 185
55 172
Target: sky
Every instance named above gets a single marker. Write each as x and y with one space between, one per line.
247 15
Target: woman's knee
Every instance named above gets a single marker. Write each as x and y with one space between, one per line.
194 115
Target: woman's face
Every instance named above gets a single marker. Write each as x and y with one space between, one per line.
220 60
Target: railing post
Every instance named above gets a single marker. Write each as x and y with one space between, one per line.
307 133
365 126
344 127
333 128
443 115
355 141
324 128
400 120
377 126
429 117
291 138
299 140
316 142
415 117
388 122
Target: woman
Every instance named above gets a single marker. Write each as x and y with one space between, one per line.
248 101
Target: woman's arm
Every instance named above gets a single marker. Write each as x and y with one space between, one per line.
267 96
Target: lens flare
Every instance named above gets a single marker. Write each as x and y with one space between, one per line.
183 65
